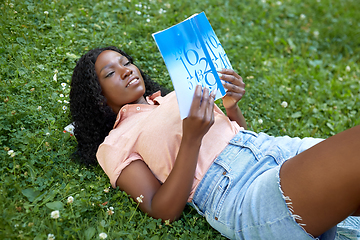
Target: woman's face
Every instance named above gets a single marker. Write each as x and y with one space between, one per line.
121 81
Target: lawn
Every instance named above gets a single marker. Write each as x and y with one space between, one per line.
299 59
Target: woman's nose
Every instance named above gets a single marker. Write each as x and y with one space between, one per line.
125 72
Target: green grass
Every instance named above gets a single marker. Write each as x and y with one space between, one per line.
311 61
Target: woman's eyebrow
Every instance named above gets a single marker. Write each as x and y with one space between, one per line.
110 64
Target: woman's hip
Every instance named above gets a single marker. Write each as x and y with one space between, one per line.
230 196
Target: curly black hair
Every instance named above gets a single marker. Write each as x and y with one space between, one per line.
93 118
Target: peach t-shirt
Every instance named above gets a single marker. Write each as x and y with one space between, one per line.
152 133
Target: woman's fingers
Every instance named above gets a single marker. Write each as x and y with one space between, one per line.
201 116
229 72
202 106
235 86
232 81
202 101
211 106
195 105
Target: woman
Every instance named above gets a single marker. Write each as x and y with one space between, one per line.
230 175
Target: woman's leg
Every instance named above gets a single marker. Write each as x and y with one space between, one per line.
323 182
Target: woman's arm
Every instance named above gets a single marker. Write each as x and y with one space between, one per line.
235 91
236 115
167 200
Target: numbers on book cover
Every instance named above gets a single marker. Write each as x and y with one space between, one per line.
197 65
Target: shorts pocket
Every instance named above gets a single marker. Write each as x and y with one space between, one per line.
220 215
219 195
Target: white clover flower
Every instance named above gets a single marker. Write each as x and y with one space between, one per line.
61 95
302 16
70 199
263 1
64 108
70 128
140 199
348 68
55 214
340 79
260 121
106 190
161 11
267 63
138 12
47 134
66 101
63 84
284 104
59 101
278 3
102 235
316 33
110 210
39 108
46 12
51 237
11 153
148 20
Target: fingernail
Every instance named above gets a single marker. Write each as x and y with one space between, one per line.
198 89
219 69
223 82
214 92
219 74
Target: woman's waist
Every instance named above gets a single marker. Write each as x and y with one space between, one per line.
236 166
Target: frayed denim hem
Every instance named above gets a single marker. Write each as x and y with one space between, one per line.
330 234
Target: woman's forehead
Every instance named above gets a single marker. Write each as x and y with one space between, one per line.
107 58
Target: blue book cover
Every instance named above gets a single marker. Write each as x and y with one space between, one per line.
192 54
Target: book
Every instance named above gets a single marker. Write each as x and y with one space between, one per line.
192 54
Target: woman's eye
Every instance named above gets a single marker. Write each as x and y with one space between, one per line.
109 74
127 63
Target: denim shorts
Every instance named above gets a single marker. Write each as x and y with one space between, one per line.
240 194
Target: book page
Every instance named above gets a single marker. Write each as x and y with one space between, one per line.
192 56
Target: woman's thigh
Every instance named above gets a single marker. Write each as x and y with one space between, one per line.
322 183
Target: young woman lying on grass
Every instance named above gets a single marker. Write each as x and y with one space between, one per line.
230 175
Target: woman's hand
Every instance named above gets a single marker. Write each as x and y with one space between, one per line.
235 87
201 116
235 91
